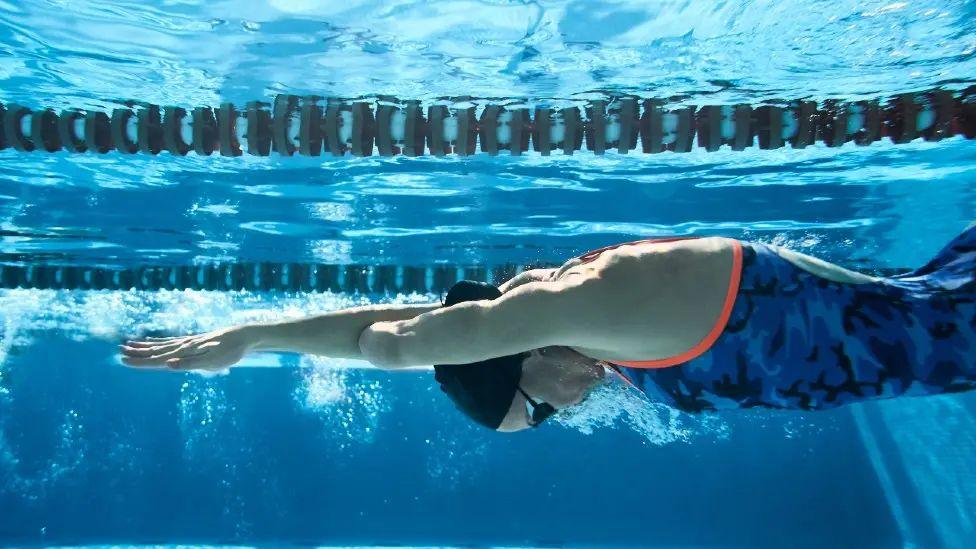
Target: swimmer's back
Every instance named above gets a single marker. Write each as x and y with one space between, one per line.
659 298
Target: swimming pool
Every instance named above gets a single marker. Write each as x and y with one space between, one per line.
302 451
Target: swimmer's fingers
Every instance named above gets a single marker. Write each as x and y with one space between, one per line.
188 363
203 360
525 277
156 342
211 351
158 361
144 349
196 361
147 344
147 341
565 267
159 356
130 349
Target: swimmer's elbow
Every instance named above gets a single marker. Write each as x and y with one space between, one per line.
379 346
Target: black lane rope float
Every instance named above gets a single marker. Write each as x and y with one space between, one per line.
268 277
311 126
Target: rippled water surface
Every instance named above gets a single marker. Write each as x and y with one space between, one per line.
199 52
82 54
300 450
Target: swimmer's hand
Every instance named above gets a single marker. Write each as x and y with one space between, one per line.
211 351
539 275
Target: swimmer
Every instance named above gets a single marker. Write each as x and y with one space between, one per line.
701 324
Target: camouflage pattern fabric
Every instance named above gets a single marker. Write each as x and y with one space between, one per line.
797 341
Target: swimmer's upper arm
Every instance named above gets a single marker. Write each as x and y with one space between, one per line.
534 315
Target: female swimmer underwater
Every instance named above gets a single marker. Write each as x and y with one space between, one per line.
697 323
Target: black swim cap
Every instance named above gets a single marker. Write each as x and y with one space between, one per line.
482 390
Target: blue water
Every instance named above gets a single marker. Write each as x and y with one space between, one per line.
295 450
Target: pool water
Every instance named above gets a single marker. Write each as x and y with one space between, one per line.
301 450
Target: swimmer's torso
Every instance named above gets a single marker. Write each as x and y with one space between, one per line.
674 290
795 333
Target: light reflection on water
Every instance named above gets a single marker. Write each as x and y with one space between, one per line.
201 52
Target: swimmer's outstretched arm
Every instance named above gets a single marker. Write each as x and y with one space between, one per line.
335 334
534 315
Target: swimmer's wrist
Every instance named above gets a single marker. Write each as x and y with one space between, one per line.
257 336
287 336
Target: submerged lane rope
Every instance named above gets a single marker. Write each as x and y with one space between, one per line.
311 126
265 277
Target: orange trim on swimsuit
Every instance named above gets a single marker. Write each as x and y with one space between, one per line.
705 344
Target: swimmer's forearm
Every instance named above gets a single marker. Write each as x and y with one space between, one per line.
335 334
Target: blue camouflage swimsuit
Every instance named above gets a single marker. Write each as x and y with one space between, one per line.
795 340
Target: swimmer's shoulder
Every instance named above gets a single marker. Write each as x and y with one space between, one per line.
654 259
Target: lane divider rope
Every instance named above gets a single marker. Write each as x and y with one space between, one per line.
267 277
312 126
